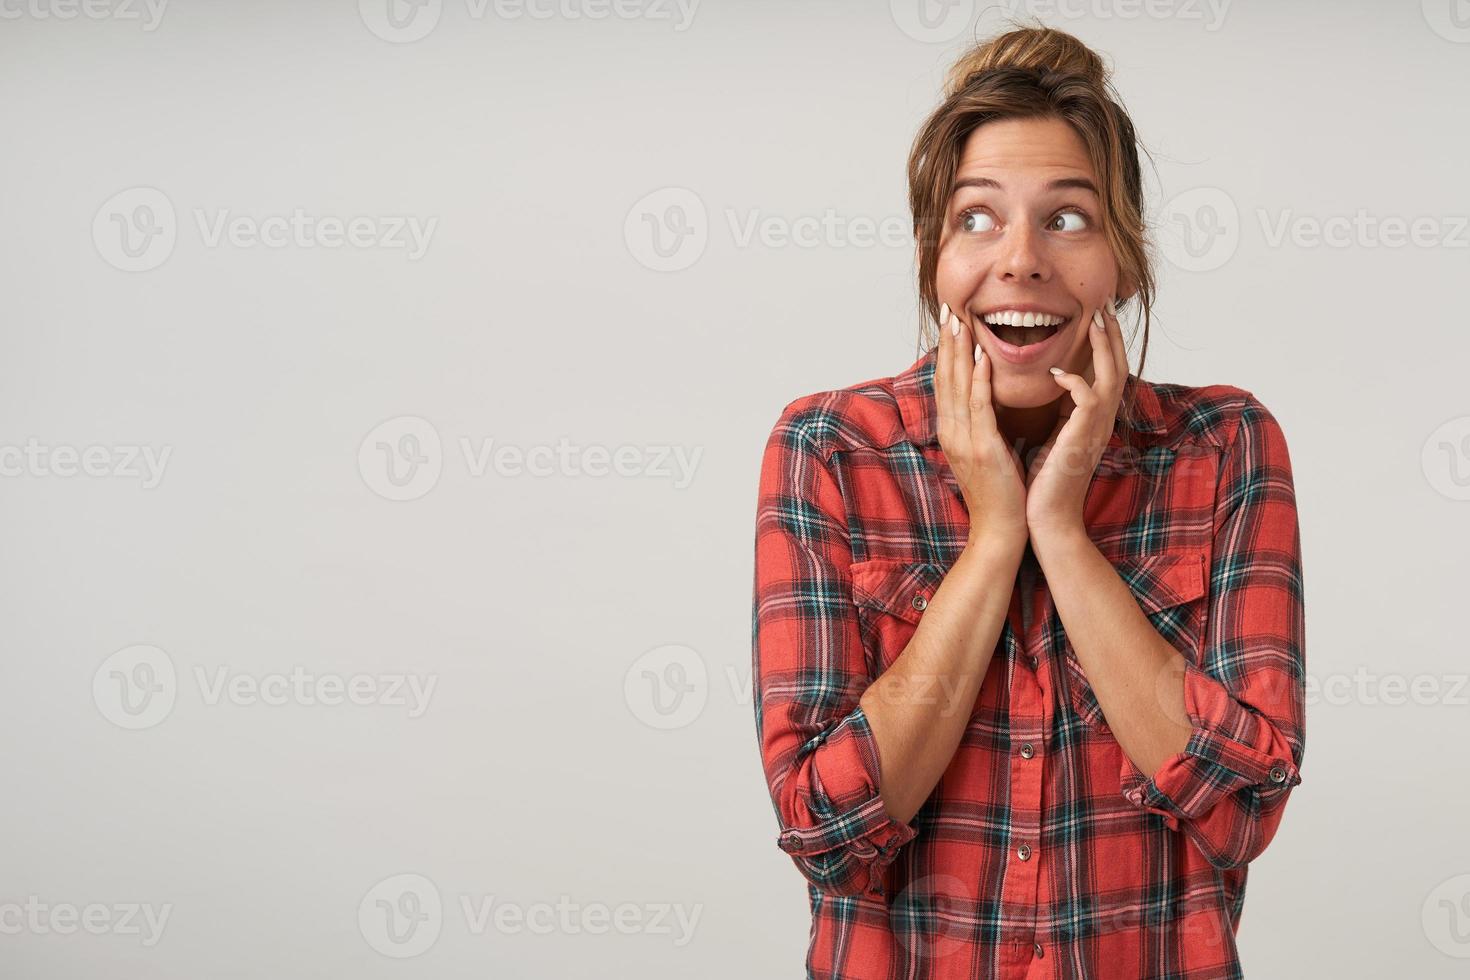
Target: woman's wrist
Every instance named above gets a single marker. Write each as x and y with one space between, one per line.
995 544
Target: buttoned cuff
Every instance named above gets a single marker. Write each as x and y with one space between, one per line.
845 799
1231 748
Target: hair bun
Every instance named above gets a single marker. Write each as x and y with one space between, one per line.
1030 48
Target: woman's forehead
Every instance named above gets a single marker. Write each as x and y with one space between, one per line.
1034 151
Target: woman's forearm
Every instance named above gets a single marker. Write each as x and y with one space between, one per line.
919 708
1137 675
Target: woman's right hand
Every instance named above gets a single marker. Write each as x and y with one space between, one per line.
991 477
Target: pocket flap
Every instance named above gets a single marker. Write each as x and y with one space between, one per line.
1164 579
895 585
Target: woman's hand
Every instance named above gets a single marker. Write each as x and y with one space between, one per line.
989 470
1058 478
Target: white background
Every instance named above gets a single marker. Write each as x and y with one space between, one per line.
543 767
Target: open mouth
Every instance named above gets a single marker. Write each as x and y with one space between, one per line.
1024 329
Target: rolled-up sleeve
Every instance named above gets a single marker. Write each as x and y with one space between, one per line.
819 755
1246 696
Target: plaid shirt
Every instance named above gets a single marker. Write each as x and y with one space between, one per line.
1043 851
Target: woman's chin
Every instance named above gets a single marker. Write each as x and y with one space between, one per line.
1026 392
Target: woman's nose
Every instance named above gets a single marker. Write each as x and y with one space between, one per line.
1023 256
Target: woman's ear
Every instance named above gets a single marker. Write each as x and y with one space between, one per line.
1126 289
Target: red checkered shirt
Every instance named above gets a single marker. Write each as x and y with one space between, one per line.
1043 851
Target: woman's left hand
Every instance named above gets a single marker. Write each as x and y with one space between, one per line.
1058 477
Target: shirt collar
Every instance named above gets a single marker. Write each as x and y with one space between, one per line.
914 390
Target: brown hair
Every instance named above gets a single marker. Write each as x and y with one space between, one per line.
1032 72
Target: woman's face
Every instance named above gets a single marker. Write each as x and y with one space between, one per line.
1023 233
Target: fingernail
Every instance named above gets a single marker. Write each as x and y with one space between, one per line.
1097 319
979 354
943 312
954 324
1057 370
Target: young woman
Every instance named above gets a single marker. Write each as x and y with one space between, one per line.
1028 629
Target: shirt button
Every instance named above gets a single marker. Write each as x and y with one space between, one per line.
1278 774
1038 951
1024 852
920 603
792 840
1035 662
1027 751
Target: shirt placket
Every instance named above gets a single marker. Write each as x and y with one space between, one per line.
1030 709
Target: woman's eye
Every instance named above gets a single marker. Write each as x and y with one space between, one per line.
1069 221
977 221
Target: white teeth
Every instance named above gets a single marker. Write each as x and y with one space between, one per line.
1013 318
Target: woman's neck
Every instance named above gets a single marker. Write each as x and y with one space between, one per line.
1027 428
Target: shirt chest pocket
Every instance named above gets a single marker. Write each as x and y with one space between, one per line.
891 595
1170 588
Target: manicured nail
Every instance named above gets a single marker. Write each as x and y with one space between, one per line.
979 354
1057 370
954 324
943 312
1097 319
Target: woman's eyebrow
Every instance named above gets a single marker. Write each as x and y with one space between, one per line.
1078 183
